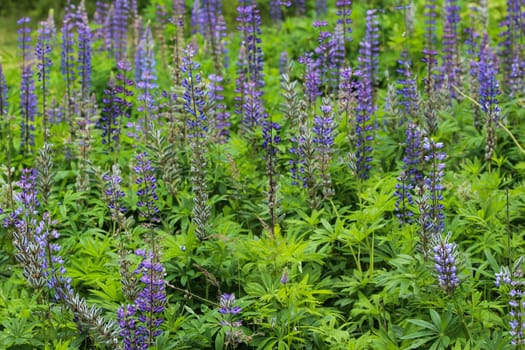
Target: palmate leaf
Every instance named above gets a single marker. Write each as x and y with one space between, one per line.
439 330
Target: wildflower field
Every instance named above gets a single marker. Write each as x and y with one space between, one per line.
270 174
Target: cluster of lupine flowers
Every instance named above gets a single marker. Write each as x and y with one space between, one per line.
327 77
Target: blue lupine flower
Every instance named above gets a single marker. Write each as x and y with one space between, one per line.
312 78
67 58
429 52
84 52
344 11
226 304
445 257
404 199
146 78
4 102
119 28
249 25
451 70
140 322
52 264
147 188
515 285
194 95
407 91
488 83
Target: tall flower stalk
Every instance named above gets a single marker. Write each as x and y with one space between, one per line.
429 52
146 79
28 99
445 259
324 131
197 123
4 106
451 69
488 94
42 53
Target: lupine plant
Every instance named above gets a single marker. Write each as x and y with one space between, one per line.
262 174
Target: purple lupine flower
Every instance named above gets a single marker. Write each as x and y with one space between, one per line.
146 78
363 128
226 304
151 300
276 9
210 23
28 99
517 309
52 264
116 106
132 337
140 322
488 83
407 91
367 59
67 62
194 104
324 53
44 63
194 95
413 155
433 182
24 38
249 25
451 70
338 56
369 50
147 188
220 116
330 55
84 52
514 284
320 8
99 20
113 191
234 335
123 85
28 105
429 52
511 47
4 102
344 11
488 94
404 199
43 51
445 259
195 16
119 19
324 130
28 198
109 121
241 82
55 112
254 113
179 10
312 78
22 222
